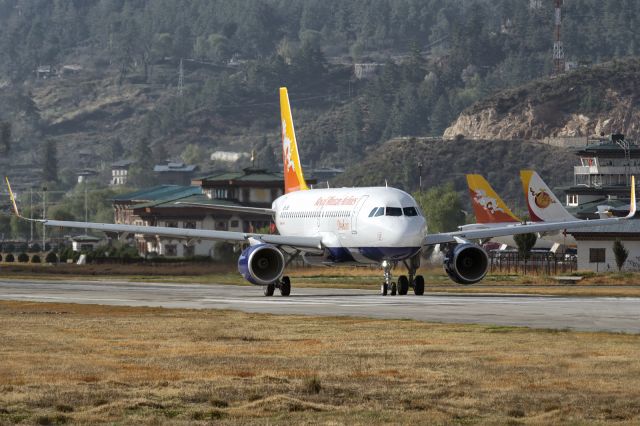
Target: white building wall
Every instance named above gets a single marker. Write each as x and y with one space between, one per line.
632 263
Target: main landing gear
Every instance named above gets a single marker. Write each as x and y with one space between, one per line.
284 285
416 282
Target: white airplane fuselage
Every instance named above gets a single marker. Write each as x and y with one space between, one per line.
546 241
351 225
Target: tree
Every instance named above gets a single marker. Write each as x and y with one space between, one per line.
50 162
621 254
442 207
525 243
5 135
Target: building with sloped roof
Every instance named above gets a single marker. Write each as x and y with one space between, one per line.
174 173
194 207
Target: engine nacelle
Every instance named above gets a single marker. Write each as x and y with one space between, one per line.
466 263
262 264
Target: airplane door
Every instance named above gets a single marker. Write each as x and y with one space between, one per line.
355 212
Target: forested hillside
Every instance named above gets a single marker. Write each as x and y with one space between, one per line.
120 96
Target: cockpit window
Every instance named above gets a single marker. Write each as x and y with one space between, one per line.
375 209
393 211
410 211
380 211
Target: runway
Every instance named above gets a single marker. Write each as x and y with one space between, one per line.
577 313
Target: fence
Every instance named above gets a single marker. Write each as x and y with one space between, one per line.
536 264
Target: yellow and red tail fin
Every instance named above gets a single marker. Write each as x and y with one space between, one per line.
293 177
487 205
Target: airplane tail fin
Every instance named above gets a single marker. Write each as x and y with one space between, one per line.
293 177
542 203
487 204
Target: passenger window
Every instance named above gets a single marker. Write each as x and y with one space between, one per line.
410 211
394 211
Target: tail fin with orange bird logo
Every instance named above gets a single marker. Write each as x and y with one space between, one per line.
487 205
293 177
542 203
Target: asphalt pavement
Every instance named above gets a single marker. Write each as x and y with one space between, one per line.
577 313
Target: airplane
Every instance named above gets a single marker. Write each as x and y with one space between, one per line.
381 226
491 211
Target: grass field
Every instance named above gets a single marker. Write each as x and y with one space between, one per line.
96 364
610 284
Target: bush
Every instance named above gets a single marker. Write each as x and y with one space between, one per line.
51 257
23 257
0 258
34 248
9 258
35 259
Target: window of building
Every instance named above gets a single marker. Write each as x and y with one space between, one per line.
274 193
597 255
234 223
190 225
189 251
171 224
245 194
170 250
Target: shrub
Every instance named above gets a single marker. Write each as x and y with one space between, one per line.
34 248
9 258
23 257
51 257
0 258
35 259
313 385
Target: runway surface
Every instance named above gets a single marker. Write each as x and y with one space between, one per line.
578 313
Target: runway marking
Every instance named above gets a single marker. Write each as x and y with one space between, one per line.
29 296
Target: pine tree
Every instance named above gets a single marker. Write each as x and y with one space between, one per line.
525 243
50 162
621 254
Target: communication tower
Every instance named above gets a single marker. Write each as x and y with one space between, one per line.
558 48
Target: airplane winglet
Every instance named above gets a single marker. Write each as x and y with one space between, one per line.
13 198
632 202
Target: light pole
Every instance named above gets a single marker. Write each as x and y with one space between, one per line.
31 214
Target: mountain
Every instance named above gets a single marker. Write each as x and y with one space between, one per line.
584 102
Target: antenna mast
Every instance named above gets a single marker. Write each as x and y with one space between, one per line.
558 48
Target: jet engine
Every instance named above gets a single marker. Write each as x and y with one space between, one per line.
466 263
262 264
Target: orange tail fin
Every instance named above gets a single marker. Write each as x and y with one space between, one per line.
487 205
293 177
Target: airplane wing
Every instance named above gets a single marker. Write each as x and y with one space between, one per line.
476 234
302 243
239 209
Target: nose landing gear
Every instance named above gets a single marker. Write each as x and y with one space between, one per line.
416 282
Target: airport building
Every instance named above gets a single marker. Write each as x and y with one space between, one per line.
595 246
603 176
194 207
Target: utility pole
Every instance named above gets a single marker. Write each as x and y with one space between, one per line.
181 79
31 215
44 217
86 209
558 48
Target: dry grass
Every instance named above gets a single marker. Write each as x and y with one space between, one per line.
96 364
609 284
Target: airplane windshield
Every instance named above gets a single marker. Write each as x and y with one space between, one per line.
380 212
394 211
410 211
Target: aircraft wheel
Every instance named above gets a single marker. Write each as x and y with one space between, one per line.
285 286
403 285
268 289
418 285
393 289
383 289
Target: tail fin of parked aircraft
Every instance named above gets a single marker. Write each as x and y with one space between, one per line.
293 177
543 205
487 205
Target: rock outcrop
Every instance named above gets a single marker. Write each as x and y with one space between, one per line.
584 102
